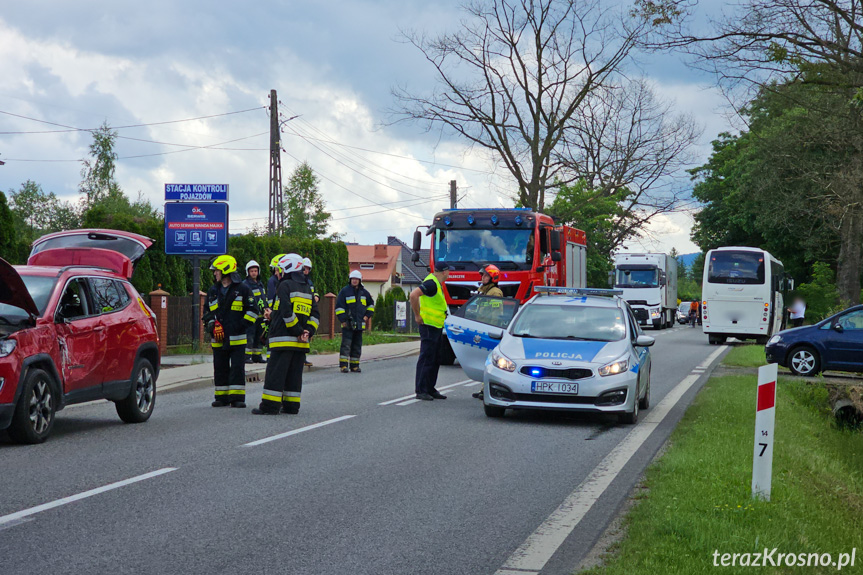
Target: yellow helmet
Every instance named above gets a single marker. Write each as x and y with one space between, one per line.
225 264
274 263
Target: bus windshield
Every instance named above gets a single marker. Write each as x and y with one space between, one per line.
636 277
736 267
484 246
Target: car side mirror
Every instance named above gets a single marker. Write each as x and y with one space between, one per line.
540 269
838 328
418 240
555 240
556 257
496 334
644 341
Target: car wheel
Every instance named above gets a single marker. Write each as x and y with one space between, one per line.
493 411
629 417
138 405
716 339
644 402
804 361
34 414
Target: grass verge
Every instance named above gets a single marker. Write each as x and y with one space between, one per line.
698 499
751 355
319 346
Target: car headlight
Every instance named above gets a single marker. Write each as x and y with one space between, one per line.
615 367
501 361
774 340
7 346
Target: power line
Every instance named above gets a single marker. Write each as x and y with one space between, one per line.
73 129
350 191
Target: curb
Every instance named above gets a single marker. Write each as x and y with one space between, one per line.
257 375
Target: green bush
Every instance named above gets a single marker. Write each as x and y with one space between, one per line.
385 308
820 294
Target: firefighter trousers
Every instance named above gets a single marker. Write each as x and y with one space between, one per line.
352 348
229 372
254 345
283 382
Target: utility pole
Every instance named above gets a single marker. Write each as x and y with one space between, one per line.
453 199
277 215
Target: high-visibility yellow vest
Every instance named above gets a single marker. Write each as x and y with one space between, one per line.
433 309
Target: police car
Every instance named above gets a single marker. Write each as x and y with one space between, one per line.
572 349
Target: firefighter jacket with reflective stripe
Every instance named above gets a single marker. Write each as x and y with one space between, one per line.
258 294
235 310
294 310
490 289
354 305
272 286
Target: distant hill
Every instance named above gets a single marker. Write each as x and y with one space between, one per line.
687 259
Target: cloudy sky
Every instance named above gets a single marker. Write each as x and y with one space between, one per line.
333 64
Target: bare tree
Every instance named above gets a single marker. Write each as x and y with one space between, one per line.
625 142
512 77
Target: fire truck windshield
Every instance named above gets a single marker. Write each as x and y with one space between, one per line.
481 246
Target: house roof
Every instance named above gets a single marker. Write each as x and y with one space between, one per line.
385 263
413 273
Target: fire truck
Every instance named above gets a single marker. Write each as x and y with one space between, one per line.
528 247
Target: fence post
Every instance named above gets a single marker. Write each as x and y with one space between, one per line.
159 305
330 302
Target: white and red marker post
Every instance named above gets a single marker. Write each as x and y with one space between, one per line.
765 419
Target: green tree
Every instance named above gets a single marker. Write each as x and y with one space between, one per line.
820 294
306 216
600 216
9 245
37 212
97 174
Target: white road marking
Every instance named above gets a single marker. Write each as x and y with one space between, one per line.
408 402
413 395
296 431
536 551
16 517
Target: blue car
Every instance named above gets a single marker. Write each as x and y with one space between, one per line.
834 344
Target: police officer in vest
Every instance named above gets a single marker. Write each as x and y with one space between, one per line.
231 310
254 345
293 321
429 306
353 306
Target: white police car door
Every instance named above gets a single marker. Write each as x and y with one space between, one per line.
468 330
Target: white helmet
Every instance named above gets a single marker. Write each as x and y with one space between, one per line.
290 263
252 264
356 274
307 263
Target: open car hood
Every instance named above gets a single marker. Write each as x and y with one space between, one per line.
113 249
13 291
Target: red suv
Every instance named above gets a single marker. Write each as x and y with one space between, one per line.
73 329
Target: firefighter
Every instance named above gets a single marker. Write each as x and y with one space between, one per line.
254 345
490 276
353 306
307 271
231 311
273 282
294 319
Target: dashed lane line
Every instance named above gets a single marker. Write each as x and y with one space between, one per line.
16 518
532 556
296 431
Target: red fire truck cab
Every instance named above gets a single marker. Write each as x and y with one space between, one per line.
527 246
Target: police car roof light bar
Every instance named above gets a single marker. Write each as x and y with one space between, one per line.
549 290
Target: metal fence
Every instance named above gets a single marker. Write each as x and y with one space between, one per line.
181 321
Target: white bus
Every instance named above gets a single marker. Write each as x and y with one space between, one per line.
742 294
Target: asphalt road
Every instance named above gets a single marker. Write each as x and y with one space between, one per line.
420 488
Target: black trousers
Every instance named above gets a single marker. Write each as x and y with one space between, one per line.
283 382
428 362
352 347
254 346
229 372
797 322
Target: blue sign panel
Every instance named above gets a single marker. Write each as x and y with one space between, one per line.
196 229
196 192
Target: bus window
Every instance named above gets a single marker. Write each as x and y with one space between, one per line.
736 267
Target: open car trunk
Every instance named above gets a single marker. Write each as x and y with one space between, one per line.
112 249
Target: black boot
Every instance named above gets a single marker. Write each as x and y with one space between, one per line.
292 407
220 403
259 411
